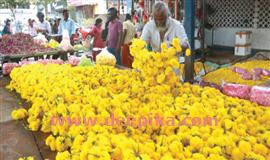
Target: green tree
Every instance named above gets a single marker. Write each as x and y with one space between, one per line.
44 3
13 4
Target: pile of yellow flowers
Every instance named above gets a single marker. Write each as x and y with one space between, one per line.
156 68
242 132
228 76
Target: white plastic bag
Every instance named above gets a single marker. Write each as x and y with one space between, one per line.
40 39
260 95
105 58
88 43
65 45
65 35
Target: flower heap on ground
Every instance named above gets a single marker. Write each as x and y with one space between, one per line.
229 76
152 87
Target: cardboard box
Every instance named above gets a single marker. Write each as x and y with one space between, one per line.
243 37
242 50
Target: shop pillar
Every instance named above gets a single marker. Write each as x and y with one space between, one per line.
189 24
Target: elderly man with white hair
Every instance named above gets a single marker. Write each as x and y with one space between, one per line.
163 28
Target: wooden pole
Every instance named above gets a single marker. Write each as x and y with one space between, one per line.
118 6
190 28
176 9
203 24
132 6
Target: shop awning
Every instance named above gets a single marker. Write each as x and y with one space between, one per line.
81 2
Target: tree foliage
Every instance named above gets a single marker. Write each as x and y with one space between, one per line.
14 3
44 3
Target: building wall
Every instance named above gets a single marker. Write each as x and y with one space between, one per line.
231 16
226 37
100 8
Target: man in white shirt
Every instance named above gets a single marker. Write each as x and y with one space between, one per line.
43 26
31 28
163 28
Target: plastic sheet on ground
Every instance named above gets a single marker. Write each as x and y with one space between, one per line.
261 94
237 90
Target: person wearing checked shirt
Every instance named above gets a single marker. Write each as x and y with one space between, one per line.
67 24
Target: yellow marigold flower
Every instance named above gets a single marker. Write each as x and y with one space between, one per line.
196 142
160 78
34 125
188 52
228 123
252 155
198 156
215 157
60 144
63 156
260 149
252 140
163 47
175 147
19 114
268 142
167 157
176 44
117 153
174 63
49 140
244 147
78 141
145 157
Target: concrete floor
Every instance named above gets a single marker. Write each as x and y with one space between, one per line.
15 140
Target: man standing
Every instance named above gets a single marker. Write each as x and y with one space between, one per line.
163 28
68 25
114 34
128 35
31 28
56 26
43 26
7 28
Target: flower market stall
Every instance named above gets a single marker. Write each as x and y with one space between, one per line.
240 129
20 46
16 49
